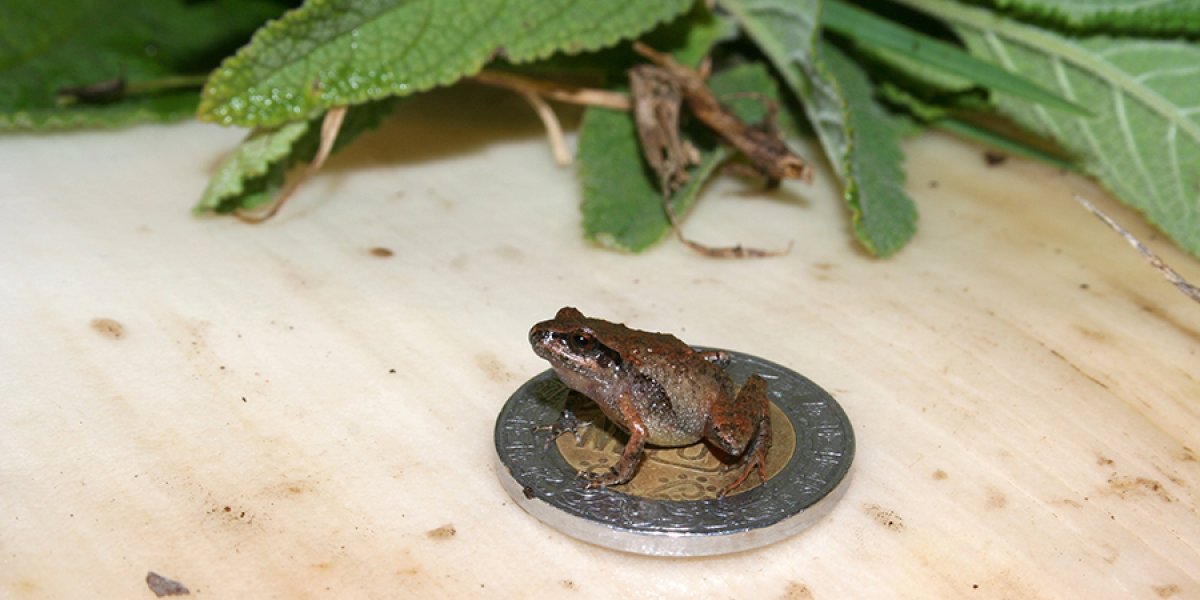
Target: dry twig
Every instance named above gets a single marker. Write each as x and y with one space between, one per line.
554 132
659 91
330 127
657 100
1174 277
561 92
761 145
534 91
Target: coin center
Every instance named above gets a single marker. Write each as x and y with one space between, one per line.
687 473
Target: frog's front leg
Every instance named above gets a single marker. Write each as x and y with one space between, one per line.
743 428
626 466
567 422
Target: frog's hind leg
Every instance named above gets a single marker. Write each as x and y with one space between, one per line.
743 429
755 457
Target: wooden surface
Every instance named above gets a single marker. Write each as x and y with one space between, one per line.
278 412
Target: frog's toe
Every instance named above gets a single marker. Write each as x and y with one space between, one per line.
566 423
750 464
598 480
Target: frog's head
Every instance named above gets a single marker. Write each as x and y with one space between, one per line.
573 346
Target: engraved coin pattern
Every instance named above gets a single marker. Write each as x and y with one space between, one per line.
688 473
820 460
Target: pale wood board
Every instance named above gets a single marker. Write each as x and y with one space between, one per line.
277 413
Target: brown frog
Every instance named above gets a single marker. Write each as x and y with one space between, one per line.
658 389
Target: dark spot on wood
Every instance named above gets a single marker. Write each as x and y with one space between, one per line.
493 367
933 184
510 253
1103 460
1084 286
444 532
996 499
888 518
108 328
228 509
940 475
162 586
1166 591
1092 334
381 252
1180 325
993 158
1126 486
797 591
1059 355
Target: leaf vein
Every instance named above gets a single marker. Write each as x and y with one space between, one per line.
1131 144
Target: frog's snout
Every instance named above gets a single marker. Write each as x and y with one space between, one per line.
540 340
538 336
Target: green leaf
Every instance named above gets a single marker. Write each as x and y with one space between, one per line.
1143 143
622 204
892 64
691 38
859 137
1162 17
867 28
883 215
49 45
256 171
932 107
688 39
785 31
343 52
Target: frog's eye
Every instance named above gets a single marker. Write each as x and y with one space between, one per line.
579 341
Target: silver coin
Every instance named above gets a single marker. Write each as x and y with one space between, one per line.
677 512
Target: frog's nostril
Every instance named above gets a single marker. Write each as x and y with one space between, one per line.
536 335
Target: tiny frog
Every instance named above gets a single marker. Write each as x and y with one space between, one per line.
658 389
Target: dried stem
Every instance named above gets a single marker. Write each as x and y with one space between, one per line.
555 91
534 91
1175 278
330 127
554 132
761 145
736 251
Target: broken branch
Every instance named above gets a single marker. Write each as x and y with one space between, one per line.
761 144
1174 277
